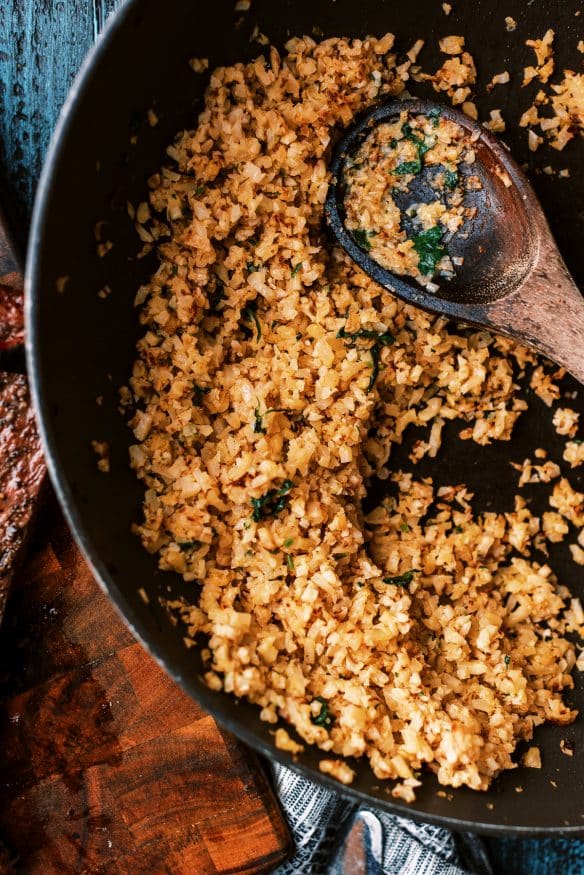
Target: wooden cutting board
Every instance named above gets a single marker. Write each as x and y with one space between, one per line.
106 766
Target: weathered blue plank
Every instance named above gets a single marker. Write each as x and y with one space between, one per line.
42 44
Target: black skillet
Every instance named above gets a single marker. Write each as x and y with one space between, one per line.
81 346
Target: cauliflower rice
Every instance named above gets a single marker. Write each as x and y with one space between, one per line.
272 381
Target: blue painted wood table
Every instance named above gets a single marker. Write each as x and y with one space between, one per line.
42 44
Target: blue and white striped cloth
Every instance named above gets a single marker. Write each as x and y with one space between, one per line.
320 820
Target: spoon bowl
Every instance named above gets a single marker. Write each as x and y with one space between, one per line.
512 278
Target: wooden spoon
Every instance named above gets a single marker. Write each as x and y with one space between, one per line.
513 279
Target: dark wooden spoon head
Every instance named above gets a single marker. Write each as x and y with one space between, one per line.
512 278
500 243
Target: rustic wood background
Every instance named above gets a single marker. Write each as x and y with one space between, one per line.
42 44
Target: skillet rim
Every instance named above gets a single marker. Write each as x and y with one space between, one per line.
74 515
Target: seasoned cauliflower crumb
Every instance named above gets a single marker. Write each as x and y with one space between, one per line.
565 421
554 526
283 742
102 451
532 758
568 502
199 65
451 45
544 385
406 790
531 473
338 769
497 122
574 453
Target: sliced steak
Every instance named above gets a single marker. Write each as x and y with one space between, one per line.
11 318
11 294
22 471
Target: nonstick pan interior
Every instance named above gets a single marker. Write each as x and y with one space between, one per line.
81 346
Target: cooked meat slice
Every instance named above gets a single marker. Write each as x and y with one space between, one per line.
22 470
11 295
11 317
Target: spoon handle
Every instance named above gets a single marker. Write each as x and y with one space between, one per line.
546 312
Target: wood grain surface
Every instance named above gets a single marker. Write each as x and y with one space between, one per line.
106 765
42 46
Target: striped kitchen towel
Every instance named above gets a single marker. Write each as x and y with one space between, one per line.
333 835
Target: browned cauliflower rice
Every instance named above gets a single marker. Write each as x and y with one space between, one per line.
271 382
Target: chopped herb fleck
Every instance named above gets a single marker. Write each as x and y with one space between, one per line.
374 367
339 555
189 545
381 339
361 238
422 144
271 503
406 167
290 561
200 189
288 542
174 270
458 529
450 179
323 718
429 249
434 115
296 269
404 527
252 268
425 145
250 313
401 579
258 425
507 660
384 338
